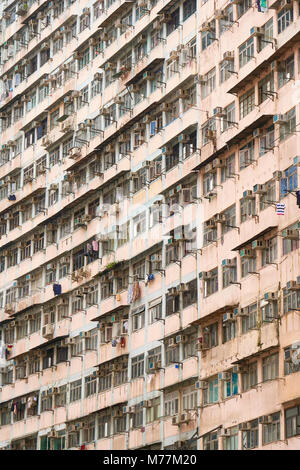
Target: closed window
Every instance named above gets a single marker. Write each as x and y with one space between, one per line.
270 366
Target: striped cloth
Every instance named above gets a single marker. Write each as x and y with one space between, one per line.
280 207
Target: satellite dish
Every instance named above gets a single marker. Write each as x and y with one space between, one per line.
296 353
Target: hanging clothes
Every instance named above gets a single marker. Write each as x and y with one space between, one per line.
298 198
136 291
123 342
114 343
57 289
95 245
130 294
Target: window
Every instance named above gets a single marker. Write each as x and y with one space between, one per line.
210 441
271 431
229 120
228 170
248 266
174 23
270 367
208 37
266 88
172 253
226 23
286 71
104 426
137 417
211 393
266 142
105 382
209 181
153 413
189 7
138 318
292 418
210 282
209 84
230 386
190 346
84 59
269 254
229 273
291 300
137 366
172 304
250 437
84 22
46 402
289 181
210 336
246 52
267 35
247 208
172 353
289 366
285 18
154 310
249 376
249 318
209 235
48 359
230 221
172 69
190 297
53 118
75 390
229 330
243 6
226 69
289 126
247 103
90 385
171 406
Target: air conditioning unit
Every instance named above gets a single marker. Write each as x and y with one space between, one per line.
244 426
149 76
218 163
48 331
52 434
229 262
53 187
171 343
248 194
180 339
109 66
154 366
271 296
166 18
265 419
247 253
119 100
227 317
219 112
46 141
255 31
258 245
280 119
259 189
228 55
201 385
145 403
210 223
292 285
184 138
289 234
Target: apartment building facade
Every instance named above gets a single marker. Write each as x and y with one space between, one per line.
149 224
